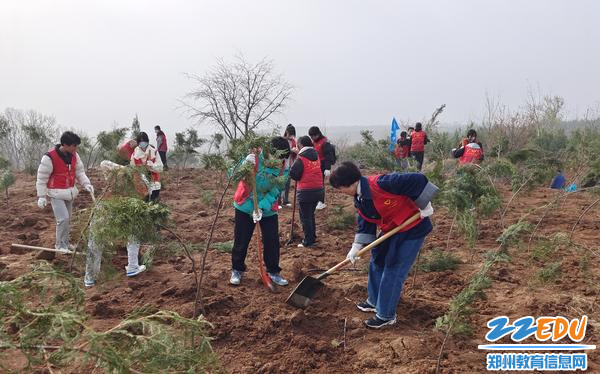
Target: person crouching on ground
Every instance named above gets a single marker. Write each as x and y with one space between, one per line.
306 170
471 151
267 192
385 201
56 176
144 156
94 256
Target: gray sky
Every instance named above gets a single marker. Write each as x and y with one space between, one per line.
90 63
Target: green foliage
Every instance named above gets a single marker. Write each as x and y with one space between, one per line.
436 176
512 234
469 190
340 219
7 180
545 248
501 168
439 261
371 153
135 127
213 161
455 321
226 247
108 142
4 163
122 218
549 273
186 144
147 341
207 197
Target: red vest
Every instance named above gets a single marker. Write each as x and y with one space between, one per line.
418 141
471 155
319 147
63 175
163 145
401 151
312 178
155 176
393 209
126 151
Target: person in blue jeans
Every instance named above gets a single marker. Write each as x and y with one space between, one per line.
386 201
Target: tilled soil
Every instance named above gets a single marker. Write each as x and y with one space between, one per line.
255 331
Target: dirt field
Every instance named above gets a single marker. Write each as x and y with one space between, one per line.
255 331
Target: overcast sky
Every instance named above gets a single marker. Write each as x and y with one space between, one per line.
90 63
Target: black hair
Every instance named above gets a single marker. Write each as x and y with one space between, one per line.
418 126
69 138
157 127
142 137
290 130
403 134
305 141
279 143
411 128
344 175
471 133
315 131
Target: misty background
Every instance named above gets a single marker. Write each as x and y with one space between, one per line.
353 64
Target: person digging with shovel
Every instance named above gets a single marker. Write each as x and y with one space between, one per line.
386 201
247 215
56 175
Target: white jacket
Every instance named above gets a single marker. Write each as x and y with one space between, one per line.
43 175
146 157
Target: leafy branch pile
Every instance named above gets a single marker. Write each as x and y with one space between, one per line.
54 332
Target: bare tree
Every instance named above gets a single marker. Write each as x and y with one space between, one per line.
237 97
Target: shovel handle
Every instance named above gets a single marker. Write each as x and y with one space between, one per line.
373 244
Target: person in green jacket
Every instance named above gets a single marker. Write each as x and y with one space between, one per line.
268 187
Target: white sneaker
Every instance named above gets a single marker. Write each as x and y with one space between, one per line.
236 277
288 205
300 245
321 205
64 250
279 207
140 269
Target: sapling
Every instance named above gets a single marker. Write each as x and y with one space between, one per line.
8 179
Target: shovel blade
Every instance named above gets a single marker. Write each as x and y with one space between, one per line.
304 292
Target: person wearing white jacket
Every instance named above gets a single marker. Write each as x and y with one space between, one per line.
144 155
56 175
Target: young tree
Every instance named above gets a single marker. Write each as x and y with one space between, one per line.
185 146
135 127
237 97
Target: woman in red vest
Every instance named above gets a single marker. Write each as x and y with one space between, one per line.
307 172
471 151
385 202
418 140
161 145
56 176
326 153
402 150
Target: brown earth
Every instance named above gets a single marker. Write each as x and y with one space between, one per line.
255 331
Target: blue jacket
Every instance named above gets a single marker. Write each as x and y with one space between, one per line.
414 185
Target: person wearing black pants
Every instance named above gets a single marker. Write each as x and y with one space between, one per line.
243 231
306 170
267 187
327 158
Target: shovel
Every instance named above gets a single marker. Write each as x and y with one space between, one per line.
266 280
306 290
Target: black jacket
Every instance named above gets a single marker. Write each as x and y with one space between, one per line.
328 156
296 171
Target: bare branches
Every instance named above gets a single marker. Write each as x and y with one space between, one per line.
237 97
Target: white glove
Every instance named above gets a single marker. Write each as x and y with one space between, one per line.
42 202
453 150
327 173
427 211
353 252
89 188
257 215
251 158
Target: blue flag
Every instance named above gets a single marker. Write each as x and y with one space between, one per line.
393 137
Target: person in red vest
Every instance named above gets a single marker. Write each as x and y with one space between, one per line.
326 153
144 155
307 172
126 149
290 135
402 150
56 176
418 140
471 151
161 146
385 201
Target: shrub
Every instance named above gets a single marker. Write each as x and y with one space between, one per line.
439 261
340 219
550 272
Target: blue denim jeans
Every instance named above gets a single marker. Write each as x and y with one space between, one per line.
385 282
